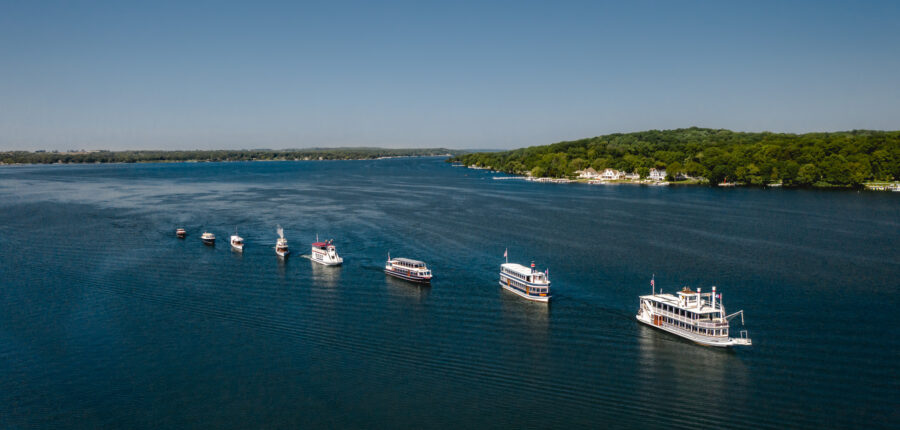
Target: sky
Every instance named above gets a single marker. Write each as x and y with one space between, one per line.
456 74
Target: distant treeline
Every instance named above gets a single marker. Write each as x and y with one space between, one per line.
841 159
43 157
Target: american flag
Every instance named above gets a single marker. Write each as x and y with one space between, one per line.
652 283
505 251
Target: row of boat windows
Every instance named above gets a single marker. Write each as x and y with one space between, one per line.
410 272
412 265
699 330
537 276
527 288
683 312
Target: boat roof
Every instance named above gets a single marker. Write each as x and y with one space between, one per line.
674 301
320 244
516 267
409 260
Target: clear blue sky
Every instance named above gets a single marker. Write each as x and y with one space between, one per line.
122 75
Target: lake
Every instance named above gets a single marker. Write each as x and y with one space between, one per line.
108 320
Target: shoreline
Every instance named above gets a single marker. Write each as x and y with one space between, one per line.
867 186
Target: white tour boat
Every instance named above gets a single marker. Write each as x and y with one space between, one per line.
525 282
237 242
281 245
325 253
410 270
693 315
208 238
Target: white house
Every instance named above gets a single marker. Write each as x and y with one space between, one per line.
588 173
658 175
611 175
633 176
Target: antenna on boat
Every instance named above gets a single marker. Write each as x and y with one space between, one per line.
653 284
280 232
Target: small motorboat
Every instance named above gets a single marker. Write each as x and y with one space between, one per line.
208 238
281 245
180 233
237 242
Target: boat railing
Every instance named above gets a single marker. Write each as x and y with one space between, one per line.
693 322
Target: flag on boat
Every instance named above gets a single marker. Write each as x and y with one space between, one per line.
652 283
547 272
505 251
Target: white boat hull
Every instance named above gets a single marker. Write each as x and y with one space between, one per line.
328 263
237 247
721 342
544 299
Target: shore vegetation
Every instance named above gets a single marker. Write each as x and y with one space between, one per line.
53 157
839 159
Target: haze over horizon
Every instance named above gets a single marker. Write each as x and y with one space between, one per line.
499 75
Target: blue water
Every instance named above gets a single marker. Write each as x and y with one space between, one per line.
108 320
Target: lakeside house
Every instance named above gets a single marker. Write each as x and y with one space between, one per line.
657 174
633 176
588 173
612 175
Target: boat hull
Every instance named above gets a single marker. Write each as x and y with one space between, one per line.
323 259
405 277
540 299
237 247
727 342
209 242
282 254
327 263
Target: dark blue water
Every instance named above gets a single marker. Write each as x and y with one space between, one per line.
108 320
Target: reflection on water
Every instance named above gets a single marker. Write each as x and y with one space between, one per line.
413 292
690 370
282 265
533 317
325 276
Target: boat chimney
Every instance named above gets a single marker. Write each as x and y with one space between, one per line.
699 298
714 297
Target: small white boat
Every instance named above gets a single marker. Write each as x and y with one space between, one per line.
208 238
325 253
180 233
698 317
407 269
281 245
237 242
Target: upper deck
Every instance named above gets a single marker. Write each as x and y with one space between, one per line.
526 274
692 301
407 262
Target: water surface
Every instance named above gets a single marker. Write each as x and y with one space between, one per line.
108 320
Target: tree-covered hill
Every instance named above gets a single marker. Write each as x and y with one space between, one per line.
813 159
43 157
